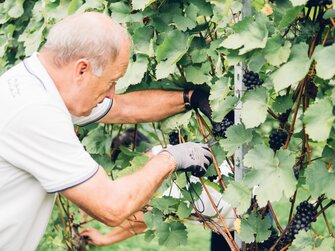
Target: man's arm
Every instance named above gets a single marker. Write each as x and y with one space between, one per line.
114 201
145 106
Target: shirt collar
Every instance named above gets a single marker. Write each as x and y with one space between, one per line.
34 66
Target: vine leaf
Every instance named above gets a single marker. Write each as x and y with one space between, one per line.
168 49
172 234
141 4
165 204
183 210
270 170
306 241
254 228
96 141
219 100
254 110
142 39
134 73
275 53
249 34
282 103
196 74
294 70
236 135
290 14
178 120
319 119
165 68
153 219
325 67
298 2
238 196
320 180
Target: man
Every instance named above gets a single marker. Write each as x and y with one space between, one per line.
72 81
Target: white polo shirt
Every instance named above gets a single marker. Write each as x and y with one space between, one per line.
40 153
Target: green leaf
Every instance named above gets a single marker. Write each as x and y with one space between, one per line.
329 13
270 170
222 107
96 141
17 9
183 210
169 50
307 241
303 241
183 22
275 52
165 204
193 192
172 234
165 68
135 164
294 70
255 226
196 75
134 74
282 103
153 219
325 66
254 110
236 135
298 2
319 119
289 16
250 34
238 196
142 38
141 4
320 180
176 121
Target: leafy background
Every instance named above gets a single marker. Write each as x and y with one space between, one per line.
196 44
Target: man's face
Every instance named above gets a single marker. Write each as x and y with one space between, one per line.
94 90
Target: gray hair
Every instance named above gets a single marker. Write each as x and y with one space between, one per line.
90 35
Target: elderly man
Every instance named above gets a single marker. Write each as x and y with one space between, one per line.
72 81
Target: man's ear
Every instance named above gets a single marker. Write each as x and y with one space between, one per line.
82 66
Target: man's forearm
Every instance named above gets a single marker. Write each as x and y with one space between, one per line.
145 106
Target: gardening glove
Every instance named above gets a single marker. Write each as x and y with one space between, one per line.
190 156
199 100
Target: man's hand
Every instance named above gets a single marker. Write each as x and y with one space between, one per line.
199 100
190 156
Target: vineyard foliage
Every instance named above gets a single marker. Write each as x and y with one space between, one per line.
196 44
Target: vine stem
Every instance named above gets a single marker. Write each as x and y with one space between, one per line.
218 229
326 220
155 129
302 85
275 217
272 113
219 214
324 208
63 222
290 217
201 122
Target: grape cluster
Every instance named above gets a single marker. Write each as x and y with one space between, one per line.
212 178
305 215
174 138
283 117
311 3
251 80
219 128
277 139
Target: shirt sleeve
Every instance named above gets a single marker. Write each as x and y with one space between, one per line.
97 113
41 141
